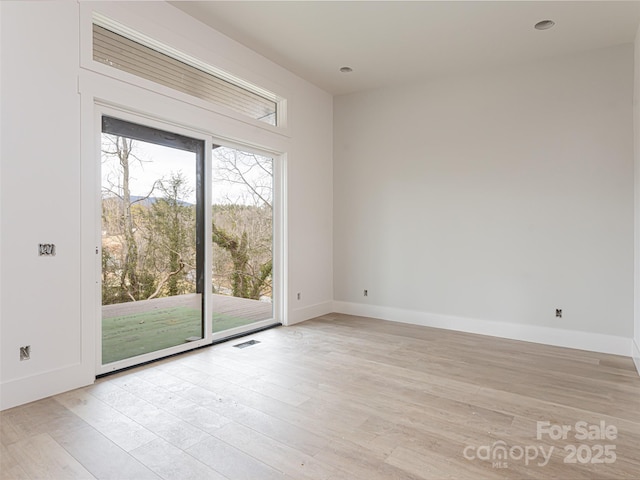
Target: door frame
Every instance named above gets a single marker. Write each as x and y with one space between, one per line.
106 110
278 243
100 94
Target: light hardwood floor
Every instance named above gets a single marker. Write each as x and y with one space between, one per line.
339 397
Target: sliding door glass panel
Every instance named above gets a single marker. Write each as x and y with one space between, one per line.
242 238
151 257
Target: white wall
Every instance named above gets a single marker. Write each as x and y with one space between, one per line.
484 202
46 126
636 129
40 196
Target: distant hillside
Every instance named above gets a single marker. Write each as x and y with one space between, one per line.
147 202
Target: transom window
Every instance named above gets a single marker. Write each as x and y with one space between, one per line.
115 46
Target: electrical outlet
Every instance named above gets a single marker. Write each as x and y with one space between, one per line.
559 312
299 295
25 353
366 293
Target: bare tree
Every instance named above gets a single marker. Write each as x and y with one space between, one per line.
149 241
242 221
118 151
170 237
253 174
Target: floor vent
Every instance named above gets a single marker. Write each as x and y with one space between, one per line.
246 344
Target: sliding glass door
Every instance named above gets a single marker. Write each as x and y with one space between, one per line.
187 242
242 240
152 240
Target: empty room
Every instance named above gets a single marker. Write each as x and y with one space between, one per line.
255 240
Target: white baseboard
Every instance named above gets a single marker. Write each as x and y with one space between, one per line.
636 354
595 342
29 389
307 313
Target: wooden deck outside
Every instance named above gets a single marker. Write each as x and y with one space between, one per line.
135 328
254 310
223 306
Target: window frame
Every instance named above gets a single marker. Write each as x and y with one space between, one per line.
147 58
150 29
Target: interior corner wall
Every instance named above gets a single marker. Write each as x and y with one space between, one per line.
484 202
43 134
636 132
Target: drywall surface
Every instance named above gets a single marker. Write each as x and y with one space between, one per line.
485 202
40 196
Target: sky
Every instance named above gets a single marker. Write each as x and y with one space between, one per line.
156 162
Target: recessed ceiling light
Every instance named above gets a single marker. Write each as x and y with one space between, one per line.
544 25
346 69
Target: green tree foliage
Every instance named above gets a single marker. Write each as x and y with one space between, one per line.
169 236
251 270
148 242
242 230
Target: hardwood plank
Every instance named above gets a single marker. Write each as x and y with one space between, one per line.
170 462
360 462
10 468
117 427
43 416
103 458
41 457
202 418
153 418
232 462
8 433
290 461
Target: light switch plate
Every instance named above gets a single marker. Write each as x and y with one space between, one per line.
47 249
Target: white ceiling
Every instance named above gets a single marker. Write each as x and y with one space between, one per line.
394 42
